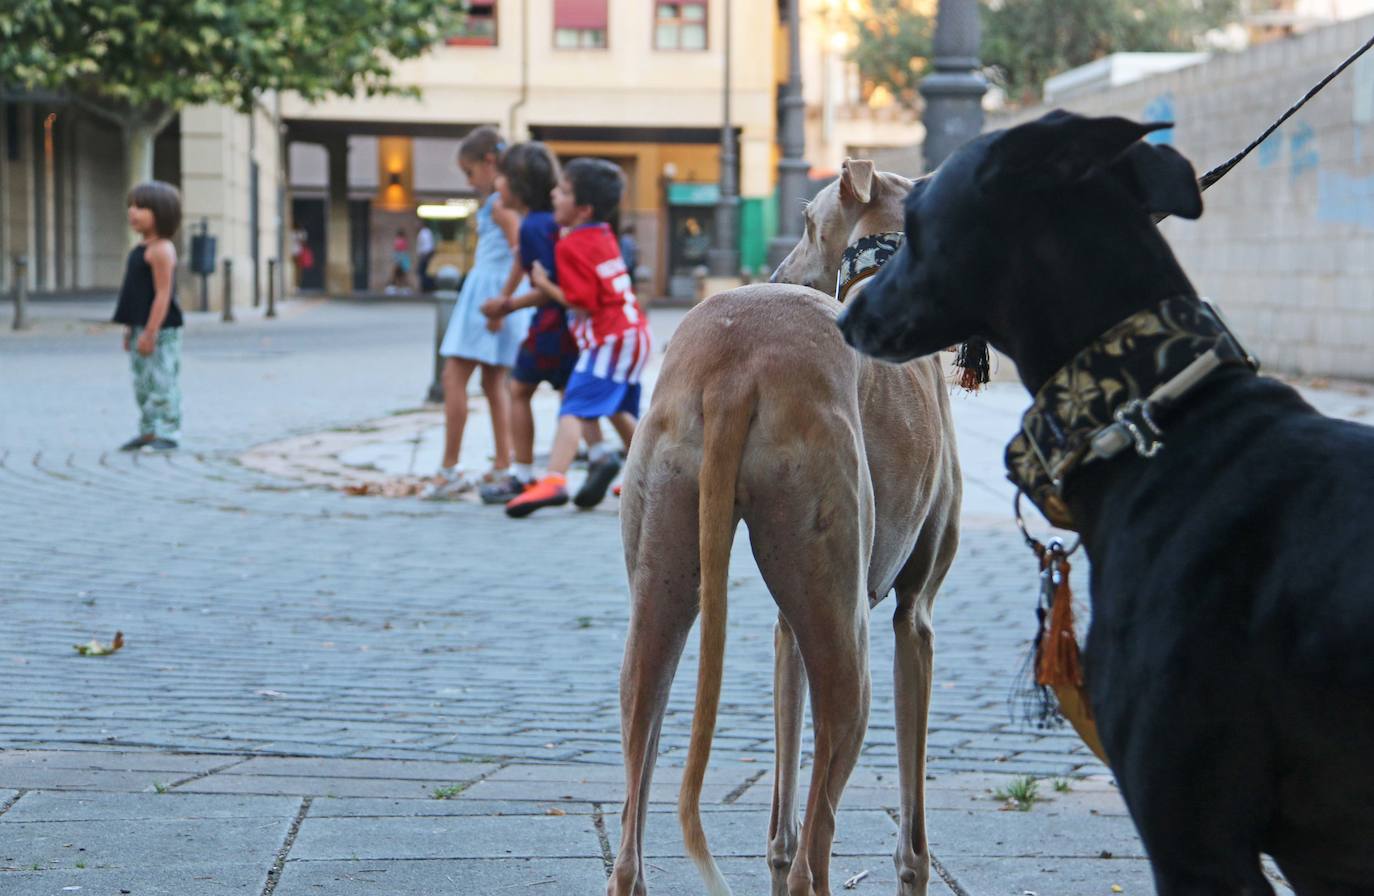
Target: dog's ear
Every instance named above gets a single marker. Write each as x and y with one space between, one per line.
1161 180
856 181
1057 149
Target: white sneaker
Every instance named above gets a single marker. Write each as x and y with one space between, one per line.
448 483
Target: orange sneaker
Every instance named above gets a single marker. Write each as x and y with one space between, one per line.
551 491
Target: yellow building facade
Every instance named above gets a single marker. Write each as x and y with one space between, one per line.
639 82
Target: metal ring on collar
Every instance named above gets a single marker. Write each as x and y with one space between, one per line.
1032 542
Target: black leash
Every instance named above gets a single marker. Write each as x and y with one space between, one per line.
1220 171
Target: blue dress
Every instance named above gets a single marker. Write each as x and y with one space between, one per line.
467 335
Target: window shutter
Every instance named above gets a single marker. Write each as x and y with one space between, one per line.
580 15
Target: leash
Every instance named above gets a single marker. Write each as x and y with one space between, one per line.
1221 170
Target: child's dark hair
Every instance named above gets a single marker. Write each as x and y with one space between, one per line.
163 200
532 172
598 183
480 143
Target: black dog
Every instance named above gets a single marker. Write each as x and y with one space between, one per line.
1230 665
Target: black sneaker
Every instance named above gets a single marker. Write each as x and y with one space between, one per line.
160 445
502 491
136 443
600 474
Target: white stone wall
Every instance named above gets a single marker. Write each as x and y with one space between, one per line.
215 156
101 236
1286 245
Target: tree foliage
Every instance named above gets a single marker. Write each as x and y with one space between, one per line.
1027 41
893 47
142 61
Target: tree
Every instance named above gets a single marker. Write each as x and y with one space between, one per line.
1027 41
893 47
137 63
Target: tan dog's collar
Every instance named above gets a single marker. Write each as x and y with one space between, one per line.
1105 400
863 257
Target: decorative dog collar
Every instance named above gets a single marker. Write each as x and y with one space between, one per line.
864 256
1105 400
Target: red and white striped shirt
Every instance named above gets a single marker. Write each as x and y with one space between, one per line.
607 322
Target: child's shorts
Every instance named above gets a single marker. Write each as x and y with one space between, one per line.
549 352
606 379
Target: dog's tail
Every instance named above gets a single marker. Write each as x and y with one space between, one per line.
726 426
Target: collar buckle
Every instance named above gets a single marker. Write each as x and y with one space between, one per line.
1135 416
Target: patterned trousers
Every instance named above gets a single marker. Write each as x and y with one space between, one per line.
157 386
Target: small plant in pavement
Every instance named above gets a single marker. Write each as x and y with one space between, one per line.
449 792
159 787
1020 794
1061 785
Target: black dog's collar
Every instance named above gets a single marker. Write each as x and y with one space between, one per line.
863 257
1105 400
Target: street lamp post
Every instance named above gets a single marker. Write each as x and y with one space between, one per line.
723 258
792 168
954 89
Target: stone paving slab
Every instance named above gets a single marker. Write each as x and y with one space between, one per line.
351 786
162 842
748 877
1049 877
83 779
554 877
1041 832
452 837
87 806
112 760
369 807
214 878
309 767
744 834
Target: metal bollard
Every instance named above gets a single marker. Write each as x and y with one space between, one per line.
21 292
448 279
271 287
228 298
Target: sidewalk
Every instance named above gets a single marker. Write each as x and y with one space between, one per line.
323 693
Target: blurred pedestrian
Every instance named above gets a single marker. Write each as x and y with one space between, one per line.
148 309
400 263
629 250
424 251
468 344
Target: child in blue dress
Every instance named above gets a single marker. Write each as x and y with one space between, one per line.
468 343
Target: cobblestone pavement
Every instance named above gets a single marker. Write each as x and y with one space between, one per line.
306 672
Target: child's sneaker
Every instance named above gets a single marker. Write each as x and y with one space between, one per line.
136 443
551 491
503 490
600 474
160 445
448 483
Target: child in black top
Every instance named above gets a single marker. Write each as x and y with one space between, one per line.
148 309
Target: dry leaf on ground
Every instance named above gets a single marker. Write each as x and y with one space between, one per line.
386 488
96 648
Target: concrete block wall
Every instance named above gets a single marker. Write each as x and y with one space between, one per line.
217 144
1286 244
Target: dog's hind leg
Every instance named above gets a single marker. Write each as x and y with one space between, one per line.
913 670
663 585
789 690
819 588
1169 882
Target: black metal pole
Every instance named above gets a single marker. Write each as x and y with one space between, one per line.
21 293
792 168
271 287
228 310
723 258
954 89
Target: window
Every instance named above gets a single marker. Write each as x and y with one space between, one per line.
579 24
476 24
680 26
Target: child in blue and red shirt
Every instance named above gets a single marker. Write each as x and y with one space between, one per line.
609 326
527 178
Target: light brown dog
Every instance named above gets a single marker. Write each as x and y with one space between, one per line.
844 469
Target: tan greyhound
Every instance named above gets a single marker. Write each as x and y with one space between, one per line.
844 469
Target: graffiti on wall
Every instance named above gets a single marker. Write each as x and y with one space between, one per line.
1161 108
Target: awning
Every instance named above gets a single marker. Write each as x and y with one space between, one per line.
580 15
